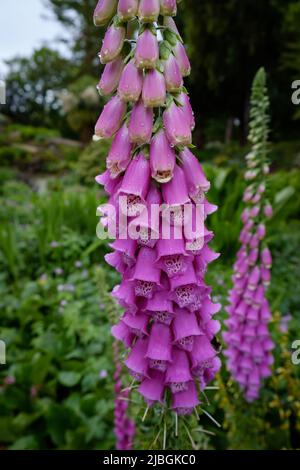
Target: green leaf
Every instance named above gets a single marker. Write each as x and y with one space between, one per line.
59 420
220 179
284 195
23 420
68 378
25 443
7 433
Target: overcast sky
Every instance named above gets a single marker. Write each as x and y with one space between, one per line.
23 27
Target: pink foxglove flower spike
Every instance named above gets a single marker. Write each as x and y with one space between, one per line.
168 322
249 345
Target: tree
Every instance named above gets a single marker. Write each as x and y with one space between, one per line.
228 41
291 57
77 17
33 84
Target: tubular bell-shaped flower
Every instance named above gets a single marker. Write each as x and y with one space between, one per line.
131 83
182 59
184 100
248 339
141 124
135 185
168 7
104 11
127 9
148 11
162 158
154 89
177 127
120 152
196 180
111 118
147 51
172 71
112 43
111 76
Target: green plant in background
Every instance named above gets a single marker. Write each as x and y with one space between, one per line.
44 239
80 105
92 161
55 390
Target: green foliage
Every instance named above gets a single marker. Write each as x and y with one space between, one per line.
23 133
80 105
56 311
227 42
54 323
76 16
290 59
92 161
32 85
36 149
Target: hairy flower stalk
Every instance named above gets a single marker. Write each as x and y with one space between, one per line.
249 345
162 255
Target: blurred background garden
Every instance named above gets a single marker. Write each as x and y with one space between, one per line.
56 389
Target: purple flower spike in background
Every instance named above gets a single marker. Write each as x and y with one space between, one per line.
158 185
248 341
